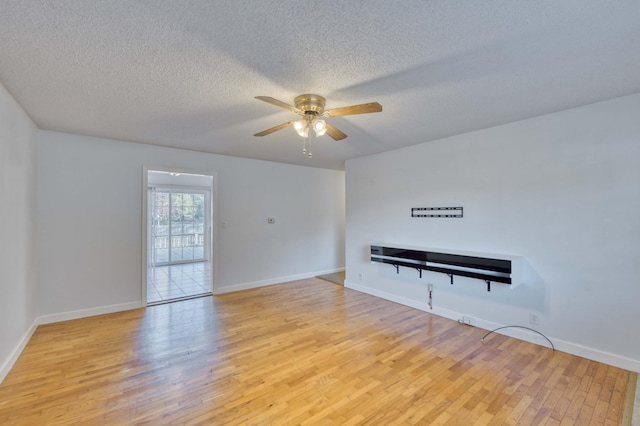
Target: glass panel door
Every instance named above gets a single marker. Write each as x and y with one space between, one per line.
177 234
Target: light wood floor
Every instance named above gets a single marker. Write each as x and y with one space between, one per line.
306 352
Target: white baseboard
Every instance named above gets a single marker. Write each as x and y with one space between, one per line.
598 355
83 313
272 281
8 363
527 336
329 271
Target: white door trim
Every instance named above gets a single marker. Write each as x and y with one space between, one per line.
213 246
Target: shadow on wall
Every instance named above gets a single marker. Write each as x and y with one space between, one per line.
532 294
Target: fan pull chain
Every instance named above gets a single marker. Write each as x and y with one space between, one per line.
309 142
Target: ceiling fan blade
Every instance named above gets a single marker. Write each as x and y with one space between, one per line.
273 101
274 129
354 109
335 133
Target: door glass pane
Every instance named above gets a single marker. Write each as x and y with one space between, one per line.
178 226
176 217
160 230
187 226
198 226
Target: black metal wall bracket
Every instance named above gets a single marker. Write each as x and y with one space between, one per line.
447 212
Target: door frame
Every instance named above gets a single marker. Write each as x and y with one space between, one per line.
213 246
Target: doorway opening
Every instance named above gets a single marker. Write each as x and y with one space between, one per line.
179 236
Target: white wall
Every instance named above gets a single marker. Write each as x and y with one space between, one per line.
182 179
90 220
562 190
18 254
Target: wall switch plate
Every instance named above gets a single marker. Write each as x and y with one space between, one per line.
430 287
271 220
534 319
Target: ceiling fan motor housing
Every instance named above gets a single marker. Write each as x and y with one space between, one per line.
310 104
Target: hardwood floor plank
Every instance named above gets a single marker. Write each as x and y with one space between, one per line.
305 352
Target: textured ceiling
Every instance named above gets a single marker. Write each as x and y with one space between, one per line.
185 73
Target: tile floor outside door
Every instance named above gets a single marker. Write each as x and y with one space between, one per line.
165 283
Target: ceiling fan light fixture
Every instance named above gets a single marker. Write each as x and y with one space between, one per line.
319 126
302 127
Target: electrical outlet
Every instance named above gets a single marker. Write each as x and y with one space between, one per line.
430 287
469 321
533 318
361 276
